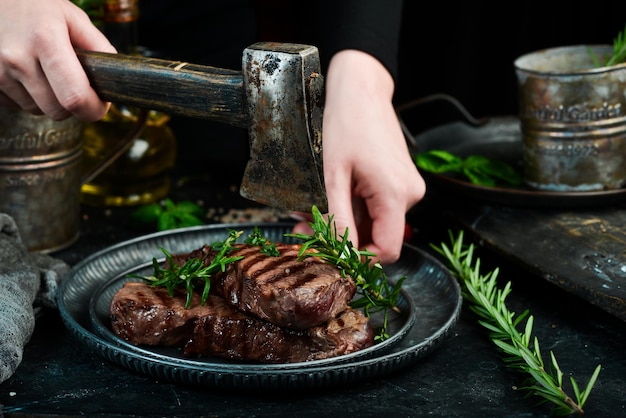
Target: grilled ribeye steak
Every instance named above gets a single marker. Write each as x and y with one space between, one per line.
280 289
145 315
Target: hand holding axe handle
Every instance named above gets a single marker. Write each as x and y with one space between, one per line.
277 96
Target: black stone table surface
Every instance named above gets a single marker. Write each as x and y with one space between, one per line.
465 376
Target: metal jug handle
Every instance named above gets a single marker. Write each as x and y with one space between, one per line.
410 136
117 152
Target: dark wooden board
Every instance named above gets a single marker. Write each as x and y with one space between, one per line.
581 251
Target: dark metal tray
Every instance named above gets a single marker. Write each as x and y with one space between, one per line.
434 293
499 138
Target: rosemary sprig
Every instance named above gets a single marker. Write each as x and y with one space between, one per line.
619 49
267 246
489 303
375 291
194 271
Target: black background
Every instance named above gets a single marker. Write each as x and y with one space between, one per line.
467 49
463 49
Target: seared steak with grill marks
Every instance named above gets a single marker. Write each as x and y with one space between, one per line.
282 290
143 314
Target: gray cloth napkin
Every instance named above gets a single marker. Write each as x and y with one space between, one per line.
28 283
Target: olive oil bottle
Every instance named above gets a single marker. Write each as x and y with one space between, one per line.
142 173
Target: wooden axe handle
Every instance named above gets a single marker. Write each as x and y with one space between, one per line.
171 86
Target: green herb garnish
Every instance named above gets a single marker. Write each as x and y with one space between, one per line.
619 49
267 246
194 272
376 293
169 215
478 169
522 352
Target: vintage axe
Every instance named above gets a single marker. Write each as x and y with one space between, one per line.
277 96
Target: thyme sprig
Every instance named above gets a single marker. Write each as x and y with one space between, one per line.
193 272
374 290
523 352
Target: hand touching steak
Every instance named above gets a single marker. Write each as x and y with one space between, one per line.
145 315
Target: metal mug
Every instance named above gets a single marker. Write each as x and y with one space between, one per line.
41 173
40 177
572 119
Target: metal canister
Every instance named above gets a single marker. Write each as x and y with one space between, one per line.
40 177
572 119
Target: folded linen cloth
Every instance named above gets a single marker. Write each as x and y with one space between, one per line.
28 283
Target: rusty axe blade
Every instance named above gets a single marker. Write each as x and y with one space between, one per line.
277 96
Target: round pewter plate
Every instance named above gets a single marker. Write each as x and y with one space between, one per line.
398 324
431 302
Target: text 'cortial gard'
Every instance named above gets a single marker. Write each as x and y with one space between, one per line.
50 138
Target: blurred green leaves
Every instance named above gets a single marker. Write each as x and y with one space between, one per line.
477 169
93 8
169 215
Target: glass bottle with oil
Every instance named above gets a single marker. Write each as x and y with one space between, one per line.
141 174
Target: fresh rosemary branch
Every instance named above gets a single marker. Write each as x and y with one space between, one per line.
375 291
193 271
267 246
523 353
619 49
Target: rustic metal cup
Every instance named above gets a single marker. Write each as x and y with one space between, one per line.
40 177
572 119
41 173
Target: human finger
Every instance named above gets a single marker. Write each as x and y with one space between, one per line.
67 78
387 225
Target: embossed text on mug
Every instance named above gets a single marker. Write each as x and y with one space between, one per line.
34 179
574 113
571 149
41 140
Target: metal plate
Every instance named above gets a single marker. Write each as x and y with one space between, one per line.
500 138
434 293
398 324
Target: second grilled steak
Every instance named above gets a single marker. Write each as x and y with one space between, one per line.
145 315
282 290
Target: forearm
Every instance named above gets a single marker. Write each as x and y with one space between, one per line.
371 26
